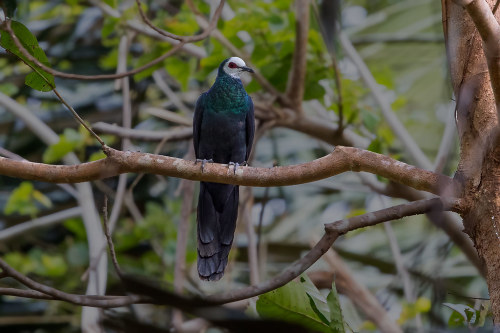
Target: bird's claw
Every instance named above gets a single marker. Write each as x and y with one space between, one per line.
236 165
203 162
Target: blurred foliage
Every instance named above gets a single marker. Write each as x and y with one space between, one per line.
26 200
75 37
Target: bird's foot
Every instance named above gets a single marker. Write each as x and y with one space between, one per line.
203 162
245 163
236 165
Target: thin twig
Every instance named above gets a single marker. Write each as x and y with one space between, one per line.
246 211
186 39
173 134
109 239
41 222
77 117
187 189
160 82
85 300
54 72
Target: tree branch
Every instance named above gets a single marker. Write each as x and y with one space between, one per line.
173 50
296 78
41 222
39 290
489 29
187 39
333 231
172 134
342 159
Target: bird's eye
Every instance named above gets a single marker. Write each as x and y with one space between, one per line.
232 65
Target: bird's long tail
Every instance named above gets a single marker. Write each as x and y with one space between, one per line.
217 214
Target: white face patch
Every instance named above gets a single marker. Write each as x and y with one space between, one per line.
232 67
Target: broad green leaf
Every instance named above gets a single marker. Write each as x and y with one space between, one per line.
462 315
291 303
38 79
316 299
336 319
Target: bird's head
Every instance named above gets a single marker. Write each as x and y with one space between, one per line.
234 66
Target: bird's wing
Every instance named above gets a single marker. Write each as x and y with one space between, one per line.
250 127
198 117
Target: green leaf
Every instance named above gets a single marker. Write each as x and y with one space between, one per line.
316 299
75 225
8 88
291 303
38 79
41 198
336 319
53 265
21 201
463 315
98 155
68 142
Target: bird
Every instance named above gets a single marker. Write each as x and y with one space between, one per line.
223 132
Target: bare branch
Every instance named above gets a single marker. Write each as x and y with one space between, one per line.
173 134
77 117
296 78
170 116
342 159
173 50
160 82
187 39
111 246
41 222
51 293
333 231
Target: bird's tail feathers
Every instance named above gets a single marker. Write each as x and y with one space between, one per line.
217 214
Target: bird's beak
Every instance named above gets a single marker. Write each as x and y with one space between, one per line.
247 69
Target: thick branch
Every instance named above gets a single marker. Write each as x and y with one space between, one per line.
342 159
489 29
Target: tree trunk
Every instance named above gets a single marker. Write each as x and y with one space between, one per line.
476 116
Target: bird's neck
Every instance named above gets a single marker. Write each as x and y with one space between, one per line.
227 92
